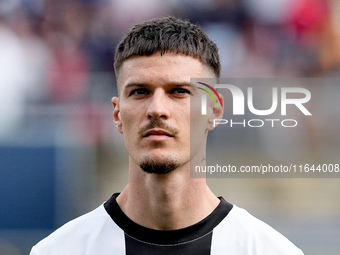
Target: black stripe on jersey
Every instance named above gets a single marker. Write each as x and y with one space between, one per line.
167 237
201 246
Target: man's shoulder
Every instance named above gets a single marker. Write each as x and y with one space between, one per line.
242 227
81 224
77 233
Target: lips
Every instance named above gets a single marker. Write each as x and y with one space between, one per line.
157 132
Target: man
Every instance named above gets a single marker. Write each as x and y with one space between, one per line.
162 210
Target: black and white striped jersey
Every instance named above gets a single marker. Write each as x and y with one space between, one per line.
107 230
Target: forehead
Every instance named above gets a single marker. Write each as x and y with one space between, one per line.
159 69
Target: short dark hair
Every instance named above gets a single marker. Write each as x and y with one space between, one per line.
168 34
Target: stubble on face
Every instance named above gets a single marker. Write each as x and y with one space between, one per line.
158 166
155 164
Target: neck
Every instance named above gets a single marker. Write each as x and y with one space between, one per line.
169 201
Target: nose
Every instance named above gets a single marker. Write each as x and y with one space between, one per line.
158 105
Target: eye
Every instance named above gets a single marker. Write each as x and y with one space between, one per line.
180 91
139 92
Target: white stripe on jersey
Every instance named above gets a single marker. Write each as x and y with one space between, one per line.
242 234
91 234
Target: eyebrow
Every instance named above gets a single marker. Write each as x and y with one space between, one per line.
174 84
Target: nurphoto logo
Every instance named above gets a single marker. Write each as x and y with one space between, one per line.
294 96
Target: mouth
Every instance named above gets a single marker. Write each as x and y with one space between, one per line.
157 134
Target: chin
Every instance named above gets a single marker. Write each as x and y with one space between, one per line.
158 165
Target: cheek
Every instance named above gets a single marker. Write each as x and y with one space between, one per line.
127 123
128 130
198 122
132 119
127 118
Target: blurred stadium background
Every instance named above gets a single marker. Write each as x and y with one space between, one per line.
60 155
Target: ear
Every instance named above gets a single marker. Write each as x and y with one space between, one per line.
116 114
216 113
